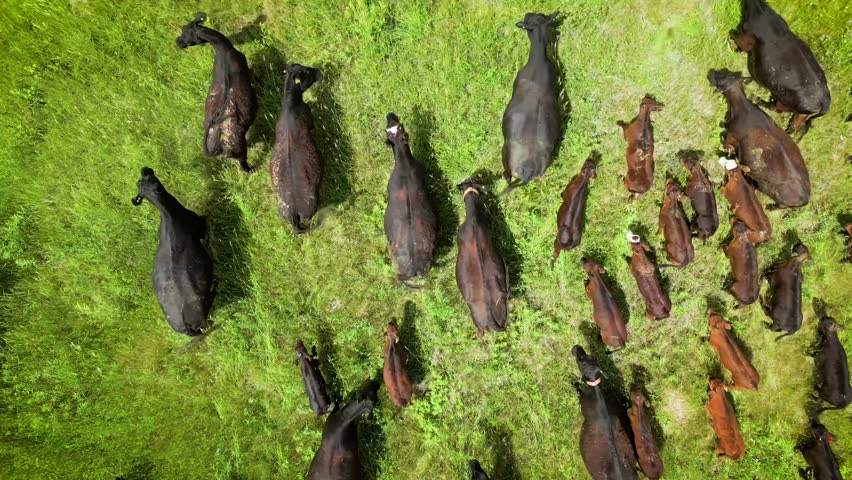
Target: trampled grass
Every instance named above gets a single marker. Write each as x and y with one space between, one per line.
93 382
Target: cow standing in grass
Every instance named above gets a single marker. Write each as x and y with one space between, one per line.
231 102
639 134
337 457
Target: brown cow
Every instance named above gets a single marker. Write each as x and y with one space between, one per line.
705 222
657 303
743 256
731 355
783 303
773 158
741 195
647 452
570 218
724 421
675 228
639 134
605 312
315 387
481 273
396 378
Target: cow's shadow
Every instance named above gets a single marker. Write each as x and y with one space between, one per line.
333 143
501 445
250 32
561 84
415 364
327 355
439 188
269 69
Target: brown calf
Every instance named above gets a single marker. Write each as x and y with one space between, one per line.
647 452
639 134
657 303
606 313
724 422
743 256
396 378
731 355
741 195
675 228
700 192
570 218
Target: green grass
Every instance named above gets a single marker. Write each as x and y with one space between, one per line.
93 382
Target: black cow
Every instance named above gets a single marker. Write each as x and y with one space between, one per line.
183 270
817 452
784 302
231 102
604 442
410 222
783 63
532 122
337 457
296 166
705 222
832 367
476 471
314 382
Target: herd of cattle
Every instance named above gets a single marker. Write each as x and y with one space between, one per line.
612 442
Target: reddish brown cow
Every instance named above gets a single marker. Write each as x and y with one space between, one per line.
606 313
639 134
396 378
675 228
741 195
743 256
657 303
724 421
647 452
570 218
731 355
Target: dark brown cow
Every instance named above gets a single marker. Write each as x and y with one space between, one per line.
743 200
296 166
231 101
822 465
724 421
832 367
314 382
657 303
396 378
783 63
571 215
705 222
605 312
743 256
675 228
476 471
337 457
604 441
481 273
730 354
773 159
639 134
784 300
647 452
410 222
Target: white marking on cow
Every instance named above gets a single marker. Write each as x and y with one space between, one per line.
727 163
392 130
633 238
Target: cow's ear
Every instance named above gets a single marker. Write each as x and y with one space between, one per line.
601 269
747 80
646 247
553 16
522 25
727 326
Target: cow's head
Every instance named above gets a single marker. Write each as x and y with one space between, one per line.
689 159
740 229
819 432
637 398
672 189
589 369
716 385
149 187
533 21
650 103
189 33
471 185
300 77
591 267
725 79
717 322
827 325
301 351
392 332
395 131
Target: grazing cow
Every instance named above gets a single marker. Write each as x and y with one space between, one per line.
784 304
570 218
724 421
647 452
730 354
705 222
183 270
783 63
657 303
675 228
296 166
531 122
337 456
822 465
773 160
410 221
639 134
832 367
743 200
476 471
312 378
396 378
606 313
481 273
743 256
231 102
604 441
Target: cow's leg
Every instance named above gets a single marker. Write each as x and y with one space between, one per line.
729 142
798 123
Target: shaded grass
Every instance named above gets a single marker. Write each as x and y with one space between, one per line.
93 384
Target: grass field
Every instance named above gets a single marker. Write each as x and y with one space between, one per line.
95 385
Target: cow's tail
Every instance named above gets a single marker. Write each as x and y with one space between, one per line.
784 335
825 409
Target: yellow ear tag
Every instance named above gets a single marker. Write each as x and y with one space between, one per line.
297 81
